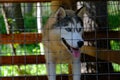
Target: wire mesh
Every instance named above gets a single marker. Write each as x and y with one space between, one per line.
24 61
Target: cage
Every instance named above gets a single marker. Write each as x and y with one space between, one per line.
21 51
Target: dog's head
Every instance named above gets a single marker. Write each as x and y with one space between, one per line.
67 26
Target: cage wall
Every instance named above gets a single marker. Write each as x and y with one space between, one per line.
22 52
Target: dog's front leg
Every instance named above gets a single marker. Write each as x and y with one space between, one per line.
51 68
76 69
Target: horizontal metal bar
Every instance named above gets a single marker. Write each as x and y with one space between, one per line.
89 54
65 77
29 1
29 38
23 1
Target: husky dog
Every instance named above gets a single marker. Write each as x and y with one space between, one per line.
62 38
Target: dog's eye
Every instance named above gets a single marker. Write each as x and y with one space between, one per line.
65 24
68 29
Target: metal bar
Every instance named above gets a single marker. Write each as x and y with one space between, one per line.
19 60
29 38
31 1
65 77
23 1
25 38
108 55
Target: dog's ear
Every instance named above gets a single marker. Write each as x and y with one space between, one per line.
80 12
60 13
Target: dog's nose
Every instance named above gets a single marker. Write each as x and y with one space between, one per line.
80 43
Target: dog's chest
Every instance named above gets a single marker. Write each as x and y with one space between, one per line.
58 56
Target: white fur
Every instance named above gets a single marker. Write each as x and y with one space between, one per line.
72 37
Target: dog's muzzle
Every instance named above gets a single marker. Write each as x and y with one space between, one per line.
73 50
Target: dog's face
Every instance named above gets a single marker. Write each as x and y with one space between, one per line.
67 27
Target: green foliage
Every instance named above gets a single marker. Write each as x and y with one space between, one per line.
2 25
31 70
114 15
8 70
62 69
116 67
23 70
44 19
30 23
28 49
10 20
114 22
5 50
115 45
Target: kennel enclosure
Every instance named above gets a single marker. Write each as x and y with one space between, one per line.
98 54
